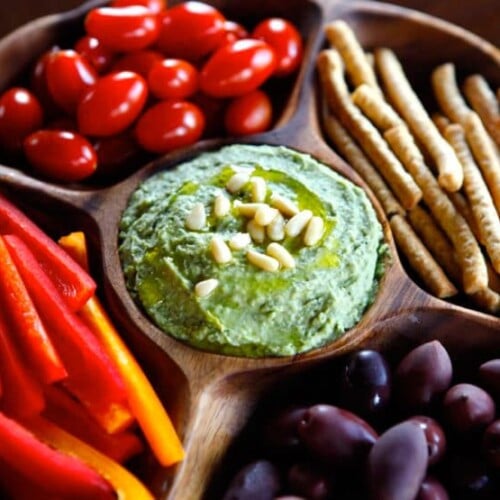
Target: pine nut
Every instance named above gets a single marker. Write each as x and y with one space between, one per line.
220 251
259 189
276 229
265 214
284 205
205 287
239 241
314 231
197 218
281 254
262 261
256 231
249 209
222 205
237 181
297 223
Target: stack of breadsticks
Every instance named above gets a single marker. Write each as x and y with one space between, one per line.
437 178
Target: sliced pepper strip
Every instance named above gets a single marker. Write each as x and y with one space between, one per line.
143 400
21 395
92 377
61 474
74 284
126 485
26 323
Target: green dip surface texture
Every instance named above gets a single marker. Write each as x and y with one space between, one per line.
251 312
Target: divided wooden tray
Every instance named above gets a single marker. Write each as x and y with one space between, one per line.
211 396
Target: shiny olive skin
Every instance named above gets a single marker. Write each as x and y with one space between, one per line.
258 479
422 375
467 407
365 386
432 489
435 436
490 445
308 481
397 463
281 431
336 437
489 374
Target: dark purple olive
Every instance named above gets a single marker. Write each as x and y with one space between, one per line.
434 434
422 375
489 374
432 489
280 432
467 407
397 463
290 497
258 479
365 386
491 444
336 437
310 482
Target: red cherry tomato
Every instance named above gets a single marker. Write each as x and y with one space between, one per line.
153 5
113 153
233 31
95 52
112 104
60 155
39 85
123 28
69 75
190 30
237 68
249 114
20 114
213 109
139 61
173 79
169 125
286 41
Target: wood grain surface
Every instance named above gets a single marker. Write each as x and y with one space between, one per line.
480 16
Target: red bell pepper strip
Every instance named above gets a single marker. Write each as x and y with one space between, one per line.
51 470
92 377
25 322
74 284
126 485
21 395
70 415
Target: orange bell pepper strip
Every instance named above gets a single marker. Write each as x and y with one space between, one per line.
125 484
142 398
26 324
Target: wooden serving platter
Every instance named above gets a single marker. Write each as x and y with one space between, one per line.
211 396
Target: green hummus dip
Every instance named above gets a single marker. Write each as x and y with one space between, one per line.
252 312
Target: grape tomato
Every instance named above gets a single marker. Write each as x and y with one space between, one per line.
139 61
99 56
173 79
154 6
249 114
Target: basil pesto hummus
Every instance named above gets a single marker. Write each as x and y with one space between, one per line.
251 251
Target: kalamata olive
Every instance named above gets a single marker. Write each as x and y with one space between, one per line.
491 444
290 497
258 479
365 386
434 434
397 463
422 375
336 437
432 489
281 431
489 374
467 407
310 482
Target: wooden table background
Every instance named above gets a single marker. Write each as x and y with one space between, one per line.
479 16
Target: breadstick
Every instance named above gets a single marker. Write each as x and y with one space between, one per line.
380 113
363 131
487 300
341 36
411 109
420 259
440 121
482 206
484 153
436 241
463 208
469 256
485 104
447 93
357 159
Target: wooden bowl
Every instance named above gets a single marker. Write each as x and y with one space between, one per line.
210 395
